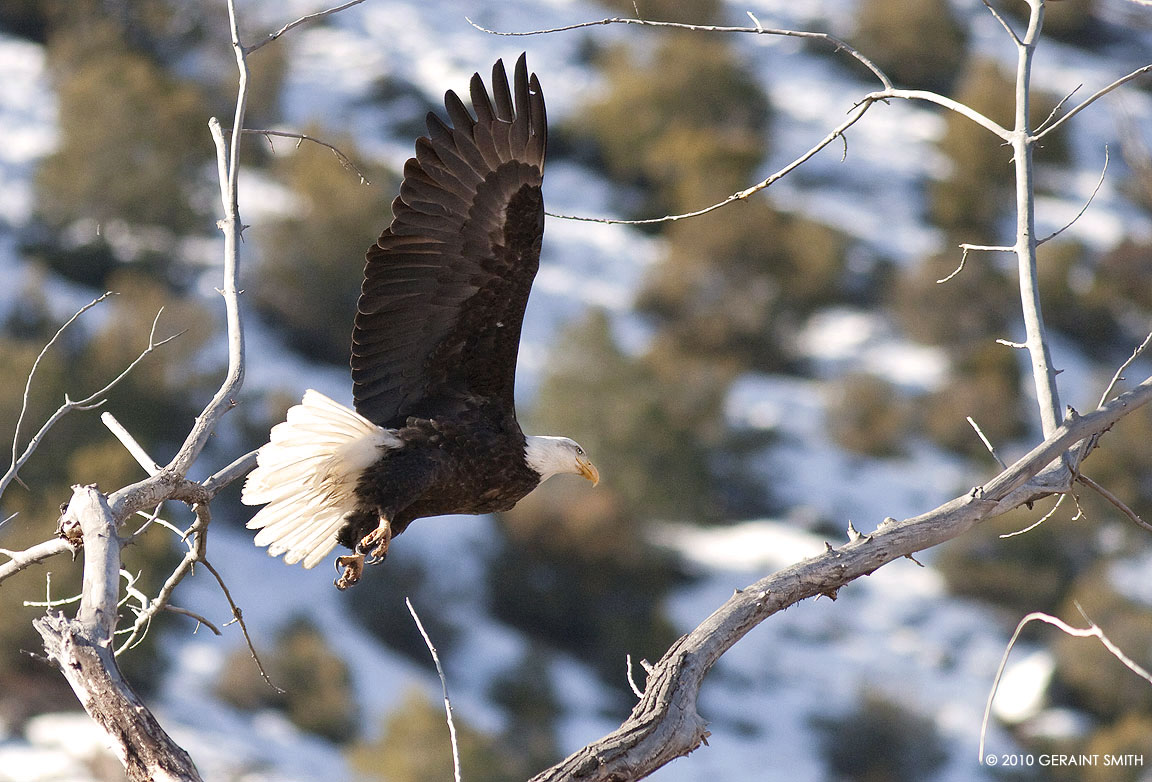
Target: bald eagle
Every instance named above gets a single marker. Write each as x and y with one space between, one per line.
434 348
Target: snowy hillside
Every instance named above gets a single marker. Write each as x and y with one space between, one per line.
898 635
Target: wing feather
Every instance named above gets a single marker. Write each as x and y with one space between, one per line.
445 286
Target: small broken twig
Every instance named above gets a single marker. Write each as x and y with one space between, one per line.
1092 631
444 685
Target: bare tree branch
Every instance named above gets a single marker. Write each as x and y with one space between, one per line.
130 444
81 648
1092 631
1118 503
987 443
237 469
444 685
238 618
1036 338
665 724
1100 93
192 614
1084 208
1116 378
28 383
1055 506
1003 22
345 161
837 44
944 101
1056 109
21 560
302 20
888 92
857 112
89 402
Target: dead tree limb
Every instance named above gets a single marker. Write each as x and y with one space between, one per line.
665 724
82 648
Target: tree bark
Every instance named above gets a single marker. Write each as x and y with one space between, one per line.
665 725
143 747
82 648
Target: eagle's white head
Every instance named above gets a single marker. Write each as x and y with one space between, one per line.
550 456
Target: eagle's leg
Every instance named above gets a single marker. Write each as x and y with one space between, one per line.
353 565
375 543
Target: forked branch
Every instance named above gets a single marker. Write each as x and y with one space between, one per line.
83 647
665 723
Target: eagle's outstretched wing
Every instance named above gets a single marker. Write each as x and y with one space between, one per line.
445 286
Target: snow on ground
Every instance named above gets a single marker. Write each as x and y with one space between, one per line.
28 124
812 475
839 340
896 633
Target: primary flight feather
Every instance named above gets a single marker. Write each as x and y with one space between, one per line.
434 348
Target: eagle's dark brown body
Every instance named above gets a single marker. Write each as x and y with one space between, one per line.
468 464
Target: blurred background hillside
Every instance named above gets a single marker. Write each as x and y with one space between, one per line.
747 381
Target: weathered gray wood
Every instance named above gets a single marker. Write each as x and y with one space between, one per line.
141 744
665 725
82 648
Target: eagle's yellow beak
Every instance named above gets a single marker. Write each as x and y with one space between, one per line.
588 469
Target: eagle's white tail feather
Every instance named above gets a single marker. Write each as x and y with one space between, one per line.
306 477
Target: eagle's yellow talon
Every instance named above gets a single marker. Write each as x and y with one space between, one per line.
376 542
353 565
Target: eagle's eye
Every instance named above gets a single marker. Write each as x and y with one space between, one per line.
579 451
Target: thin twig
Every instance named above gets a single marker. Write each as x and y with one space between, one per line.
345 161
1087 203
987 248
966 248
1116 378
130 443
149 520
631 681
987 442
185 612
944 101
1038 522
238 617
36 365
1114 500
17 462
857 112
1055 109
302 20
759 29
48 601
1003 22
1092 631
887 93
1100 93
958 269
149 609
89 402
444 685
